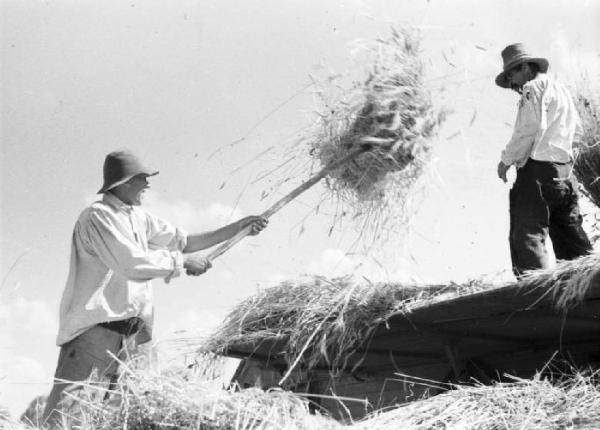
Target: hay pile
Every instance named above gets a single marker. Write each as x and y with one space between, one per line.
392 111
146 398
323 321
534 404
173 401
587 158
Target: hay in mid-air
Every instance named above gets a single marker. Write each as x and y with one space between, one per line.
371 139
391 112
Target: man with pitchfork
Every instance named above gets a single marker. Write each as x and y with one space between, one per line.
106 308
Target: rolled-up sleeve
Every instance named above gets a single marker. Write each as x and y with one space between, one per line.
527 126
100 236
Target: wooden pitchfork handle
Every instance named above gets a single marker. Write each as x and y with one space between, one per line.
288 198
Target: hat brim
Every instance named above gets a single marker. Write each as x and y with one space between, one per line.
108 187
501 79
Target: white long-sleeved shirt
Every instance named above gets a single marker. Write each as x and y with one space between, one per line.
546 126
116 250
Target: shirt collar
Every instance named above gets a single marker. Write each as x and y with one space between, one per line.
112 200
540 77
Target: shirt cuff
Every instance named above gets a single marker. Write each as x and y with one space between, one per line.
177 266
505 159
509 160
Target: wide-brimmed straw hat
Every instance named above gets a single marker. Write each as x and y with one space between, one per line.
516 54
121 166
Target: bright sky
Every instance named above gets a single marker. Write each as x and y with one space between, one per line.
176 81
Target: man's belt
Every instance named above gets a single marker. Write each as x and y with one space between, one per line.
560 163
125 327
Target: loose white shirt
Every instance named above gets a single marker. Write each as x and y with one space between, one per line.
116 250
547 124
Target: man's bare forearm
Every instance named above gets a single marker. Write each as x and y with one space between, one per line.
199 241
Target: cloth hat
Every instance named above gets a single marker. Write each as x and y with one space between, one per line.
516 54
121 166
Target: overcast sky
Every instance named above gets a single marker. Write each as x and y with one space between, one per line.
176 81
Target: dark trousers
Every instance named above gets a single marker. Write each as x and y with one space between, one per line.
87 370
544 200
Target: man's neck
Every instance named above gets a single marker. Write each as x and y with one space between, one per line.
116 199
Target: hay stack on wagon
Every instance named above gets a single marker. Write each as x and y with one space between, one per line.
323 319
349 337
330 318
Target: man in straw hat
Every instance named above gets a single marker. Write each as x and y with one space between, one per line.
543 199
106 308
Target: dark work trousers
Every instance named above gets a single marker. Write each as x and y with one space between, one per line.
544 200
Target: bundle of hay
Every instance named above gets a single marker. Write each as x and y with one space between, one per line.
536 404
587 159
324 321
392 111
